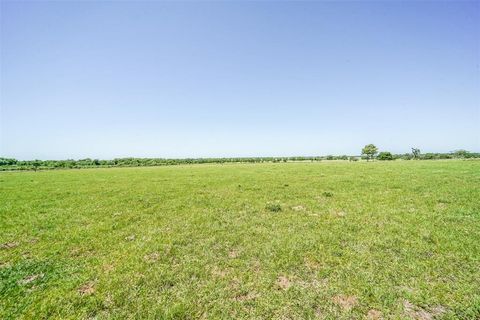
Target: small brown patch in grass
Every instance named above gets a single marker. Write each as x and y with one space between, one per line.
87 289
298 208
374 315
306 284
233 254
234 283
9 245
247 297
130 238
75 252
346 302
108 302
319 314
340 213
108 268
441 206
283 282
152 257
30 278
418 313
406 289
219 272
257 266
437 310
311 264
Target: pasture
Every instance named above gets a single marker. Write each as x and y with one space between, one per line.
328 240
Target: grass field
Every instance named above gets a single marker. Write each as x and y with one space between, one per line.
329 240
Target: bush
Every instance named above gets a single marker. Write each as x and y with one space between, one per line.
273 207
385 155
327 194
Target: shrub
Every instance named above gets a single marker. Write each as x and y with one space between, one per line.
385 155
327 194
273 207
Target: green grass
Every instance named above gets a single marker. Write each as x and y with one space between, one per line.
332 240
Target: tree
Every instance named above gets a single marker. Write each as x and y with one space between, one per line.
460 153
36 164
7 161
385 155
415 153
370 150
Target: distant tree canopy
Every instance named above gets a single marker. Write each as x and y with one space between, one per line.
370 150
385 155
7 161
461 153
14 164
415 153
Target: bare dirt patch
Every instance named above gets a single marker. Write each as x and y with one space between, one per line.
75 252
314 284
33 240
130 238
235 284
283 282
107 268
219 272
233 254
319 314
339 213
151 257
87 289
346 302
247 297
298 208
415 312
374 314
256 266
30 278
9 245
311 264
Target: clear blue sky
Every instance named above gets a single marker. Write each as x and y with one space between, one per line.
168 79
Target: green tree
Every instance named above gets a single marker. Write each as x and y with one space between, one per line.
370 150
416 153
385 155
460 153
36 164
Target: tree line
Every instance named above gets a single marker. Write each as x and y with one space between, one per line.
369 152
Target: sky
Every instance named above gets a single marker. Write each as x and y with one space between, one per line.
110 79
